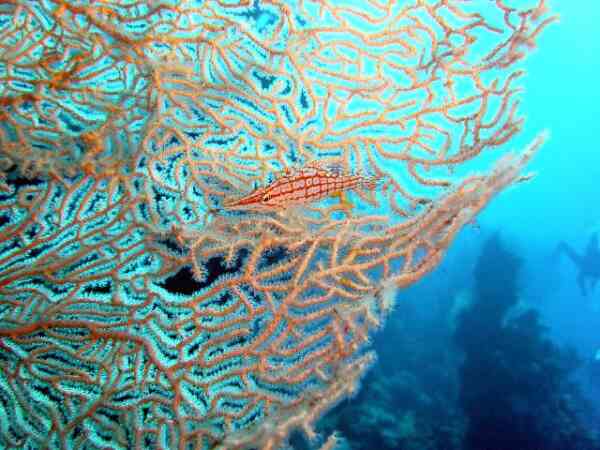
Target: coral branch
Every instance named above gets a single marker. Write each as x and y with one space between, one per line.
136 311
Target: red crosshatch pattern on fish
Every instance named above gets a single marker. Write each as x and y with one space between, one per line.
306 185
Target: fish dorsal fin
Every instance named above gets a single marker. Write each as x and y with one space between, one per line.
332 168
335 169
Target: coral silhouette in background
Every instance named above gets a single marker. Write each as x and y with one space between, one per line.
408 400
587 264
516 385
136 311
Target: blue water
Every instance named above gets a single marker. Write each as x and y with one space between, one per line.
560 204
562 95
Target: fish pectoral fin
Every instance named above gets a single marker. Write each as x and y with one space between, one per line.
345 204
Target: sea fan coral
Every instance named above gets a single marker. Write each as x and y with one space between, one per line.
136 311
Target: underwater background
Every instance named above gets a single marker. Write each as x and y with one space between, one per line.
499 348
140 309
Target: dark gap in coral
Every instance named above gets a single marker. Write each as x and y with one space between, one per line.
103 288
183 282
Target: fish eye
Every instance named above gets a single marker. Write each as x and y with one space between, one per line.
266 197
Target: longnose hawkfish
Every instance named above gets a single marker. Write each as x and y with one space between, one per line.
302 186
